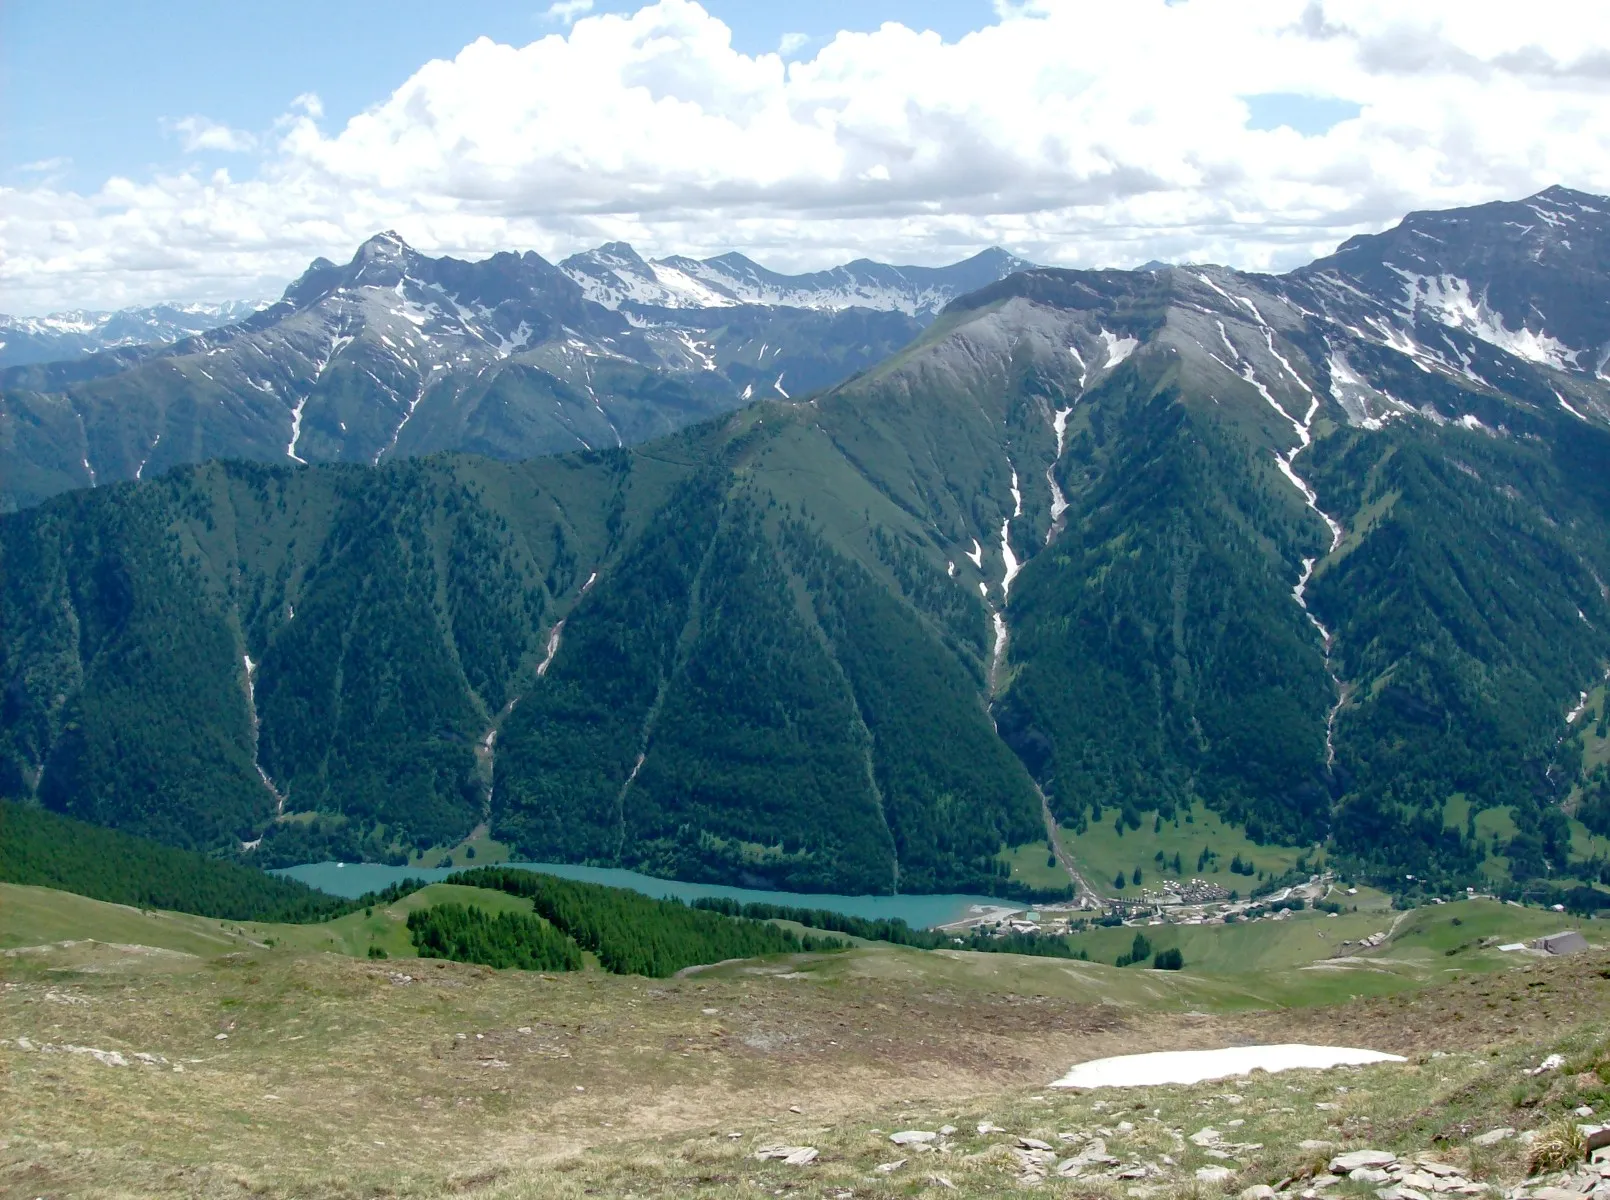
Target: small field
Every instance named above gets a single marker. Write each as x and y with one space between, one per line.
1101 852
1033 866
479 849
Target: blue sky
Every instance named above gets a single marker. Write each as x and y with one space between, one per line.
99 82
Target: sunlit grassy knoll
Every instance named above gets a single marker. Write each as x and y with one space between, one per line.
1461 927
31 916
1101 852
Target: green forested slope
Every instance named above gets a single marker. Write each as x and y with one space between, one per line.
47 850
780 649
1467 614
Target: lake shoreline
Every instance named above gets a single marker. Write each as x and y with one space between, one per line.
351 880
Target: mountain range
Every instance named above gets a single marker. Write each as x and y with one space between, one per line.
396 354
1326 552
66 335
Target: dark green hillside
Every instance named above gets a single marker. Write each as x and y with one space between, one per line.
950 791
396 621
633 934
46 850
124 702
1469 606
568 749
469 934
1161 655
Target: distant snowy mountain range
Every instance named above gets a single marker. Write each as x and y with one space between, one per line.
617 277
614 275
396 353
67 335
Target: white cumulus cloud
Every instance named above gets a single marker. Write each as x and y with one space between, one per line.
568 10
1075 132
199 133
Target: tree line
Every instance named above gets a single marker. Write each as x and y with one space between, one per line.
633 934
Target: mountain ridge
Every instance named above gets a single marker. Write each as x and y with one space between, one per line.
1304 548
396 352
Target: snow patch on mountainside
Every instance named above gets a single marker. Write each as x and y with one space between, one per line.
1118 348
1449 300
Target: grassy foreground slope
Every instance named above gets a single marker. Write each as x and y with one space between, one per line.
280 1072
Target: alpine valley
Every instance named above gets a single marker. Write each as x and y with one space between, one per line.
850 582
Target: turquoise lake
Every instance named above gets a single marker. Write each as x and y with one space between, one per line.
354 879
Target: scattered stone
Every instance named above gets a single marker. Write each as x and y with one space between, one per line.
793 1108
1492 1137
793 1156
220 1037
1400 1192
1441 1170
888 1167
1258 1191
1312 1144
1343 1163
1552 1063
1206 1137
1556 1193
1324 1180
946 1130
1368 1175
913 1137
1583 1110
1029 1143
1213 1175
988 1127
942 1182
109 1058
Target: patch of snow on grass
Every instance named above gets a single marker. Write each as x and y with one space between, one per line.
1166 1067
